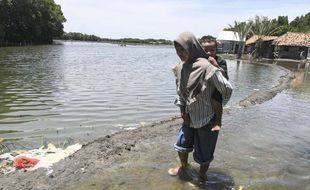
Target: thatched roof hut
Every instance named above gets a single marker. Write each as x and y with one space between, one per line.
255 38
293 39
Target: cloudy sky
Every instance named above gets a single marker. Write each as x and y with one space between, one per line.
167 18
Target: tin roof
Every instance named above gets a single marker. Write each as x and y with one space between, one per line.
229 36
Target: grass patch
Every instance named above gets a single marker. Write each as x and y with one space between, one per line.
8 131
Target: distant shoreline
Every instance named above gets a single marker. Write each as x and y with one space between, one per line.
56 42
123 41
108 42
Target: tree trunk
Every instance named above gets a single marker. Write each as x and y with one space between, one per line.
240 51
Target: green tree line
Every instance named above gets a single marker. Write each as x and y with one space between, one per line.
30 21
85 37
263 26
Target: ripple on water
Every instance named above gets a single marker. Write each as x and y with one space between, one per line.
83 90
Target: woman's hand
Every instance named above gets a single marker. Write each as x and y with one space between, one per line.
213 62
186 119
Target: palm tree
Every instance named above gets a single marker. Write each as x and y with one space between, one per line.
242 29
262 26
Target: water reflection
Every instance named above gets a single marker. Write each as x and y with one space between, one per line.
27 79
86 90
216 180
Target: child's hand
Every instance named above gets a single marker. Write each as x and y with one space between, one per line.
213 62
216 128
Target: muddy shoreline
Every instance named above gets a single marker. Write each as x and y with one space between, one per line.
118 150
262 96
95 156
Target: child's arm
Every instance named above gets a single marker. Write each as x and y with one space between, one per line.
215 64
225 90
217 107
218 110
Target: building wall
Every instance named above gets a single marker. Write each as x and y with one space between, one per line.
291 52
249 48
228 46
267 50
261 50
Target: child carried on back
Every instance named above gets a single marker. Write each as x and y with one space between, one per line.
209 44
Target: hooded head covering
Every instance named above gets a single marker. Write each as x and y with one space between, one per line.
189 42
192 73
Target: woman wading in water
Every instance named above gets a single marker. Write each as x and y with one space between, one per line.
196 80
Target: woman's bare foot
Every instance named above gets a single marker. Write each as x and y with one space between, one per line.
216 128
175 171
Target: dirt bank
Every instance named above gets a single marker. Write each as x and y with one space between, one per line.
262 96
95 157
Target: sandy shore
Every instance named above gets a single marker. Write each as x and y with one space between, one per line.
107 162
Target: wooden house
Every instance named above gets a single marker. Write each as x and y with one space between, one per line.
265 42
293 45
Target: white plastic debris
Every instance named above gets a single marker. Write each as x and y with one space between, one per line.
47 156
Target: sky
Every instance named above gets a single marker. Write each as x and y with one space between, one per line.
168 18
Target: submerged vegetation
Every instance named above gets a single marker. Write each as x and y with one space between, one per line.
8 131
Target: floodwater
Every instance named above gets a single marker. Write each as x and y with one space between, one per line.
264 147
86 90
